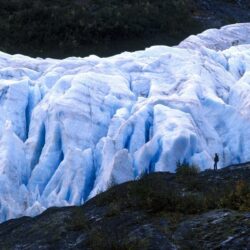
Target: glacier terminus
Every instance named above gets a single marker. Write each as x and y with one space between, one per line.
68 128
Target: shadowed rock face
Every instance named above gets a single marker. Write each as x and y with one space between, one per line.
138 215
70 128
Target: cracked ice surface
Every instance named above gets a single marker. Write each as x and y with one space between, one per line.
70 127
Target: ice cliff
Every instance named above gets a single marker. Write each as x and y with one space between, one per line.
69 128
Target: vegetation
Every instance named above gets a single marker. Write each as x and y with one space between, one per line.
80 27
42 24
189 191
185 170
187 210
238 198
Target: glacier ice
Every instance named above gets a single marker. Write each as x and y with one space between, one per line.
70 128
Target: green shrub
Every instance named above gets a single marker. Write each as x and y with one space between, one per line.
238 198
78 221
191 204
156 198
100 238
184 169
113 209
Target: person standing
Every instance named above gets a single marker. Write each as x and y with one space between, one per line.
216 160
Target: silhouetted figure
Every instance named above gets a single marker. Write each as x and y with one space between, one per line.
235 43
216 160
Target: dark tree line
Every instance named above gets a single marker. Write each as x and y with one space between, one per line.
41 24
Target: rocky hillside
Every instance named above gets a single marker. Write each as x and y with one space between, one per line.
187 210
79 27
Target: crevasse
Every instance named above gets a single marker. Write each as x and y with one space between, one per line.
69 128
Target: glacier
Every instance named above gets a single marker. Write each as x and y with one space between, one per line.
70 128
